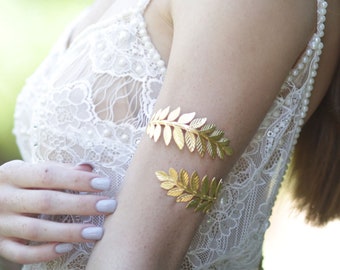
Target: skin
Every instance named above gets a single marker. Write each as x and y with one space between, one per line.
28 190
151 227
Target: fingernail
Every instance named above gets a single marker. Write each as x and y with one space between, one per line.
106 206
92 233
63 248
101 183
88 164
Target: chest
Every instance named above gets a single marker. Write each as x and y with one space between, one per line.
157 17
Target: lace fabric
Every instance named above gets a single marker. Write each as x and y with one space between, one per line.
92 102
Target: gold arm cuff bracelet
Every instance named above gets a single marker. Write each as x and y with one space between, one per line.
199 194
185 130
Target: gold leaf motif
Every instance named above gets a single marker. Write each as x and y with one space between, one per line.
198 194
167 185
211 148
190 141
164 113
167 135
157 132
218 188
224 141
216 135
204 206
174 114
175 192
184 198
193 203
178 137
173 174
189 132
156 116
215 190
208 128
213 187
201 145
184 178
194 182
186 118
197 123
205 186
220 153
163 176
229 151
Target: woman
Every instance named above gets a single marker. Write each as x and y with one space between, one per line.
247 71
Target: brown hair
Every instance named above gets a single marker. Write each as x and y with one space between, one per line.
316 167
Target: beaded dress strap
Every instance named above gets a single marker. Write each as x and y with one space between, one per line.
308 64
322 10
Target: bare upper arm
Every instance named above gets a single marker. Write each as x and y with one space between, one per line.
229 58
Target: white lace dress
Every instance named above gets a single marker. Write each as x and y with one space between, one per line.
91 102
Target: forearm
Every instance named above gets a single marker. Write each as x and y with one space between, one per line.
149 230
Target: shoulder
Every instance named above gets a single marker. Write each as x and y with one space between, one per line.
279 12
285 24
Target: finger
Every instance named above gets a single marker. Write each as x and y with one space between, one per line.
23 254
85 166
39 230
51 176
49 202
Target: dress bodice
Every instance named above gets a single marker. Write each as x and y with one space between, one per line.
91 101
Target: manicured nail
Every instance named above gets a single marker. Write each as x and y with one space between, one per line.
101 183
63 248
106 206
92 233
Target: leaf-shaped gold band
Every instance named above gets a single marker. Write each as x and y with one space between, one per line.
185 130
197 193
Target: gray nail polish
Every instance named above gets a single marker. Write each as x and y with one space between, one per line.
92 233
101 183
63 248
106 206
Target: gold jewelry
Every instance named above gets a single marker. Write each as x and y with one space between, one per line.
199 194
185 130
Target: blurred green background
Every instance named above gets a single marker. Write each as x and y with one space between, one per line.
28 29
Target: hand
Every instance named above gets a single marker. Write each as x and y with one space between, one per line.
27 190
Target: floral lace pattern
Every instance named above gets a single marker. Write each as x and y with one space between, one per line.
92 102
